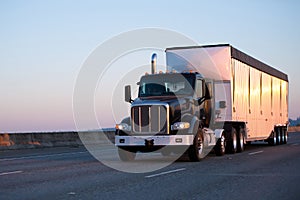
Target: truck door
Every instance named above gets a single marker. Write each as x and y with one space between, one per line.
208 106
204 89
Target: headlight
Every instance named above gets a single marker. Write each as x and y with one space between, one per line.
123 127
180 126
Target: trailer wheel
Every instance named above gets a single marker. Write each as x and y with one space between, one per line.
240 141
126 155
285 139
282 134
278 136
196 151
272 140
220 146
232 142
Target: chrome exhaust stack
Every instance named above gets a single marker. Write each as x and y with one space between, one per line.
153 63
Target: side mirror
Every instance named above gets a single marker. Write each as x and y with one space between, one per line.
128 94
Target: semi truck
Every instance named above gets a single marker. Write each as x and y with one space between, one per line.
212 98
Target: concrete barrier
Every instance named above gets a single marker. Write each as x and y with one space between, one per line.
48 139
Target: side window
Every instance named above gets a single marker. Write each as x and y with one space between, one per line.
199 88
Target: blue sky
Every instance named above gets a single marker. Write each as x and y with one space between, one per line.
44 43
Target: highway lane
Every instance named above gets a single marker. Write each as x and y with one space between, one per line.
260 172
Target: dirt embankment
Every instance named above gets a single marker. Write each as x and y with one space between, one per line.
294 129
51 139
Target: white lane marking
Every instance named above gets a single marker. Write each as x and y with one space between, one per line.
256 152
42 156
294 144
13 172
163 173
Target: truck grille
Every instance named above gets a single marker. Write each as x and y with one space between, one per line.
150 119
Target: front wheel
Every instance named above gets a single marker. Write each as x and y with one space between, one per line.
196 151
126 155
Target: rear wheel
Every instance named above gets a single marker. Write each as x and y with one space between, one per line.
126 155
282 135
220 146
273 139
285 138
231 145
196 151
240 141
278 136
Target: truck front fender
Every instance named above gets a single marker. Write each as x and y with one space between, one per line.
218 133
194 125
126 120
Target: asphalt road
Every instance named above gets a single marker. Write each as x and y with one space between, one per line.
260 172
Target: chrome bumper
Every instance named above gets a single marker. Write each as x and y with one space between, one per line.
170 140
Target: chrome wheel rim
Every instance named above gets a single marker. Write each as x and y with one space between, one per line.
200 146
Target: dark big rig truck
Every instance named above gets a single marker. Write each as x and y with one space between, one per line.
210 98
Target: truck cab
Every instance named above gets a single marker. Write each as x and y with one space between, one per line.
170 110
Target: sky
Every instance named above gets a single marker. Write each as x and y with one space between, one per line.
43 45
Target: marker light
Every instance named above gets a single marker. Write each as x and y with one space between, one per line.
123 126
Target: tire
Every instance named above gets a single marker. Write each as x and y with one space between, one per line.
282 135
273 139
220 146
278 136
196 151
231 144
126 155
285 138
240 141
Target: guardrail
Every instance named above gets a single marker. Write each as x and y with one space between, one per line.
47 139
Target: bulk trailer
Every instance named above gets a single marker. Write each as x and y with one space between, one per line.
211 97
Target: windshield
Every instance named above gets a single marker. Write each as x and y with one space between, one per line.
167 85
